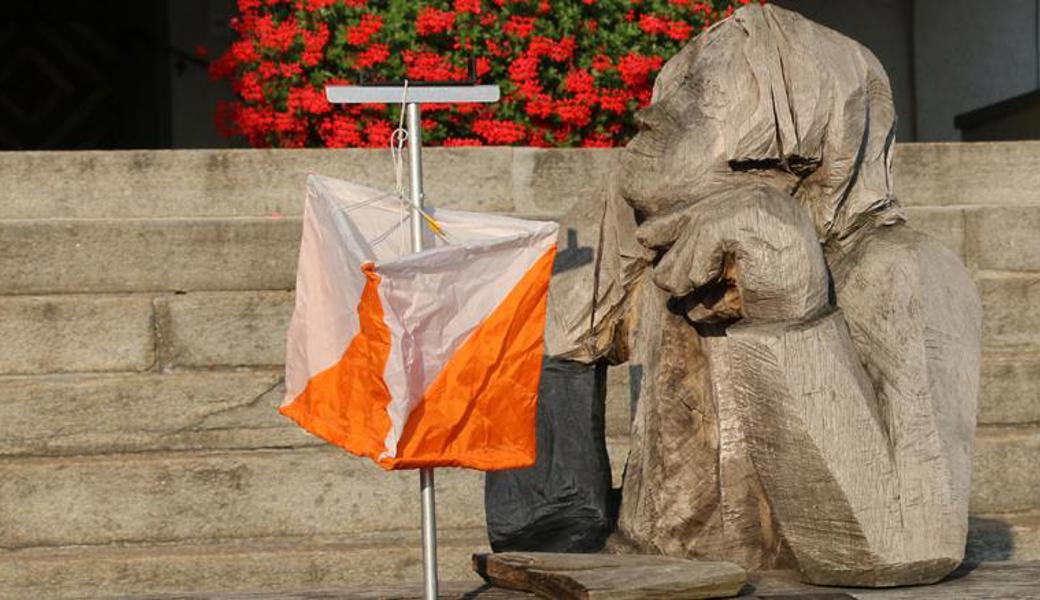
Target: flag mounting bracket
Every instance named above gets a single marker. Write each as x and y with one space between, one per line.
413 94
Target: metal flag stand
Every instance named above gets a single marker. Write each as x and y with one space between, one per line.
414 93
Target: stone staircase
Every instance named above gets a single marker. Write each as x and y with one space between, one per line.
143 302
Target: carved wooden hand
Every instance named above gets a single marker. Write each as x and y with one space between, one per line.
750 252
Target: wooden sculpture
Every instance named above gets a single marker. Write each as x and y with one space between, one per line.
809 362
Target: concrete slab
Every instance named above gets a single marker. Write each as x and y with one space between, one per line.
84 256
1011 311
944 224
223 183
272 565
51 334
1006 238
1010 389
65 415
207 329
981 173
1005 478
205 497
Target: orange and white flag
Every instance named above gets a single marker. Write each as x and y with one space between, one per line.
417 360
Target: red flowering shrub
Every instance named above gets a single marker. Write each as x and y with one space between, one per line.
572 71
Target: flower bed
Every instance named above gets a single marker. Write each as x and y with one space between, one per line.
572 72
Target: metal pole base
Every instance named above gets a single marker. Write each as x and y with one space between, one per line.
429 533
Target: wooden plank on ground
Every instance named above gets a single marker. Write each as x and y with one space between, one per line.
610 576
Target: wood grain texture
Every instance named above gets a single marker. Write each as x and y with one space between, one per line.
610 576
808 365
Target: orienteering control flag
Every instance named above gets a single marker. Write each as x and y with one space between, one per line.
417 360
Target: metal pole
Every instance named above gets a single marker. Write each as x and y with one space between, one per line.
429 533
415 171
426 491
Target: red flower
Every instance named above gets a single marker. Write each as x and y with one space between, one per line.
574 112
652 24
563 50
267 70
540 46
314 5
529 89
679 31
454 141
430 66
309 100
578 82
244 51
340 131
360 34
615 101
285 122
470 6
249 88
518 26
524 68
290 70
597 140
377 134
539 106
499 131
314 45
635 68
277 36
602 62
432 20
375 54
495 49
222 67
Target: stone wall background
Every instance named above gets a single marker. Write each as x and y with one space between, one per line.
144 297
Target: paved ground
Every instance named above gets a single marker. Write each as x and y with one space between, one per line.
988 581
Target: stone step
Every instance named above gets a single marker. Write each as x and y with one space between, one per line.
247 565
58 256
82 415
206 496
174 496
254 183
63 415
204 330
133 255
61 256
212 496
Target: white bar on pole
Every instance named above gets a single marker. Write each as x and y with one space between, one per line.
366 94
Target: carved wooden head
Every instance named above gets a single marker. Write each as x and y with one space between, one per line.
770 95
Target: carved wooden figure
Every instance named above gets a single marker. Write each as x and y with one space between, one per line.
809 361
